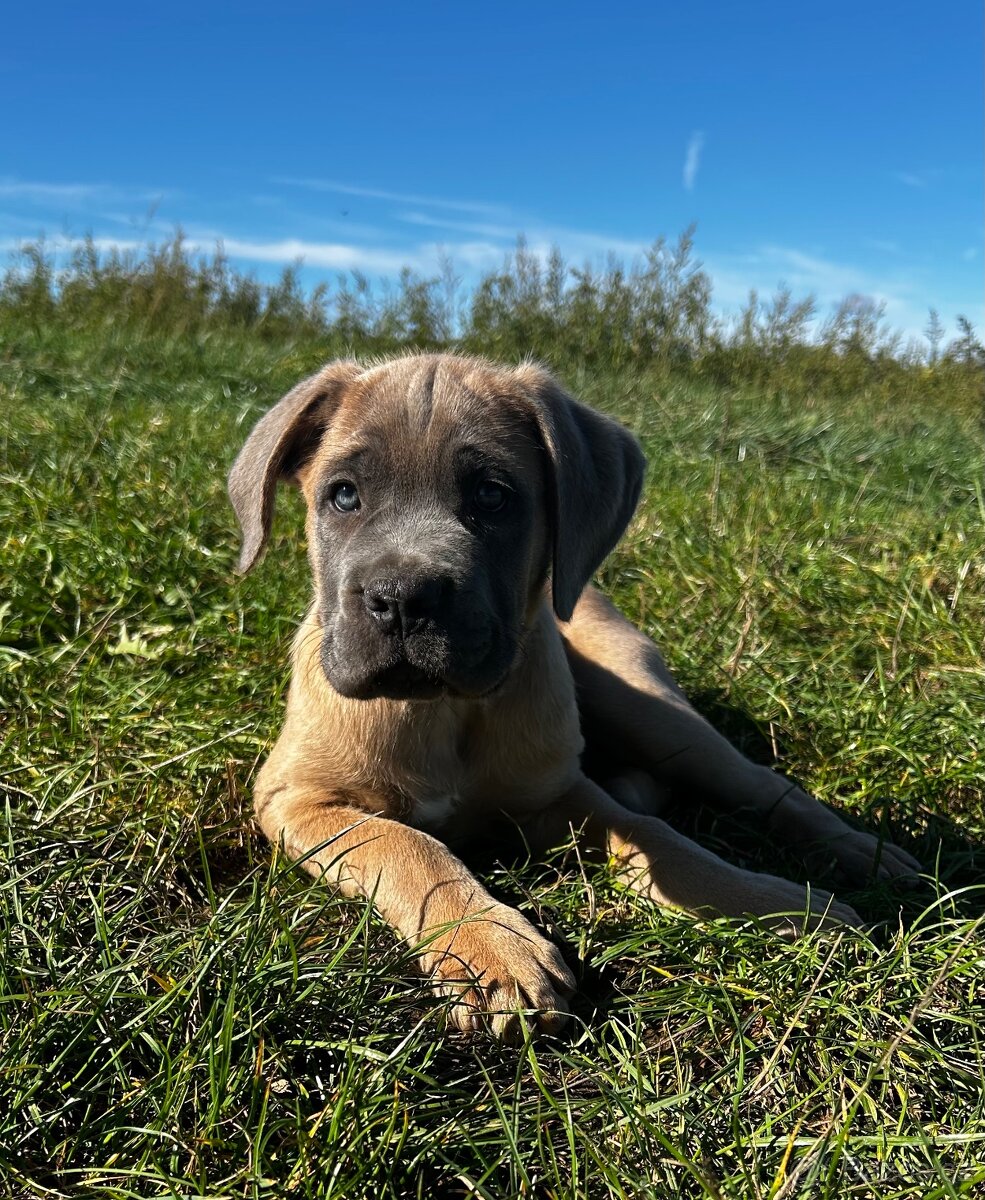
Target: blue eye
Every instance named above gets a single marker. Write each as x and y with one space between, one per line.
489 496
345 497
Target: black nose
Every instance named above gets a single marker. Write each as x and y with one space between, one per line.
401 603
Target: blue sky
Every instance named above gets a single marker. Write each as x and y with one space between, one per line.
836 148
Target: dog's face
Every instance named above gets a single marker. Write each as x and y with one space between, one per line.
426 533
440 491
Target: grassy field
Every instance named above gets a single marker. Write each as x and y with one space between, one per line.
181 1016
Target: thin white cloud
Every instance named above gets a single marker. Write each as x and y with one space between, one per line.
482 228
80 194
347 189
692 159
911 180
573 243
332 255
339 256
59 244
970 253
20 189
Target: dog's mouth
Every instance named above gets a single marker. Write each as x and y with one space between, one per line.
402 680
404 674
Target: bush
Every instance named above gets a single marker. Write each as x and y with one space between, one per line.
654 314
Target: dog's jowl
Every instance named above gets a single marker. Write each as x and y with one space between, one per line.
455 661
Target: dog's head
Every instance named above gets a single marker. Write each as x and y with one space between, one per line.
440 491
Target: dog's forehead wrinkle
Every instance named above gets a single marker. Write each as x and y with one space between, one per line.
423 388
426 395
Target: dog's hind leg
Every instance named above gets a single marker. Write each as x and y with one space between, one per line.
630 703
668 868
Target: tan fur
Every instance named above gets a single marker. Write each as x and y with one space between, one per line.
370 793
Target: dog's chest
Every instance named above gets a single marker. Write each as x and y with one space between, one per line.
460 777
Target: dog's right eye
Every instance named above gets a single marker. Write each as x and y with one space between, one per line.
344 496
490 496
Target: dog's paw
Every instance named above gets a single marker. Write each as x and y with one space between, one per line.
859 858
502 973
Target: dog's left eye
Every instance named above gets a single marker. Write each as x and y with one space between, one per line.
489 496
345 497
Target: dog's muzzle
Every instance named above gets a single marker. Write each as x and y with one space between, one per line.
401 605
412 636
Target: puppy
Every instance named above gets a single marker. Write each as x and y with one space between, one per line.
455 663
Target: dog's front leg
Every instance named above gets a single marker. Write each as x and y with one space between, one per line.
486 954
671 870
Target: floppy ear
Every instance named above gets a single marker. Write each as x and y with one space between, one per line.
279 444
597 468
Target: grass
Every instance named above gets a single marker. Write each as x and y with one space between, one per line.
182 1016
